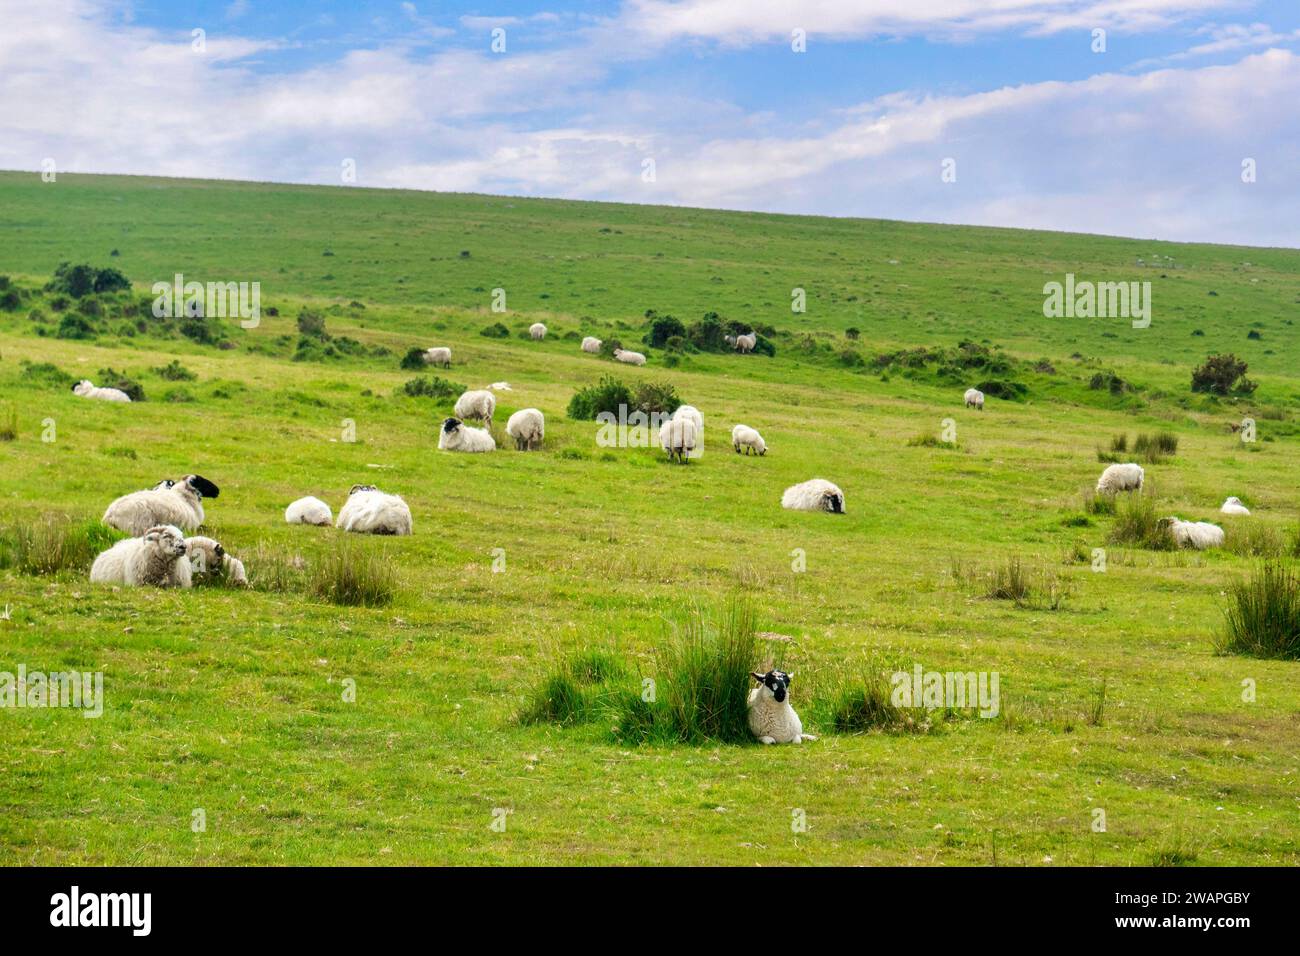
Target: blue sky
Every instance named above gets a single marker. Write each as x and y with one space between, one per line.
1147 138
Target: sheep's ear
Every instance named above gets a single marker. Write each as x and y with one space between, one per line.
758 677
789 679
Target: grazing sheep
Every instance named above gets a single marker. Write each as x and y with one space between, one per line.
1194 534
814 495
591 344
1117 478
309 510
771 718
537 331
86 389
679 437
438 356
178 503
693 413
629 358
369 511
207 556
974 398
742 436
477 405
158 559
456 436
527 427
1233 506
742 343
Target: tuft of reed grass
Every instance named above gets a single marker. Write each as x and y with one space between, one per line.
1096 712
54 543
1137 524
863 703
925 440
9 424
1095 504
582 686
1157 447
354 575
1262 618
1249 538
1039 588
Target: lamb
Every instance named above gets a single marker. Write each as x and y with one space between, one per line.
477 405
771 718
309 510
178 503
742 343
537 331
527 427
1194 534
679 437
1117 478
86 389
158 559
206 556
629 358
369 511
438 356
974 398
1233 506
456 436
591 344
814 495
742 436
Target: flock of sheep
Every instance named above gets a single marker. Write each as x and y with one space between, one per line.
1199 535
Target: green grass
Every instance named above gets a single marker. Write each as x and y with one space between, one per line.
1263 613
318 732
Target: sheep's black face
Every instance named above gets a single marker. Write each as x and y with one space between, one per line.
450 425
777 683
835 504
202 487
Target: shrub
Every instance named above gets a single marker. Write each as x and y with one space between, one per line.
351 574
1263 614
1137 523
656 398
606 396
1110 382
852 333
112 378
53 543
10 300
180 395
44 373
1006 390
312 325
662 328
413 359
433 387
495 331
1222 375
174 371
74 326
709 334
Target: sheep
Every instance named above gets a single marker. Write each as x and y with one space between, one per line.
158 558
814 495
1193 534
369 511
693 413
477 405
1116 478
537 331
309 510
178 503
86 389
207 556
679 437
771 718
1233 506
742 436
527 427
974 399
742 343
629 358
438 356
591 344
456 436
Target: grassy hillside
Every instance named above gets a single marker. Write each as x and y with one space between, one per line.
233 701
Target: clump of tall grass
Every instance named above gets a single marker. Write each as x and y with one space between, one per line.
1263 614
1039 588
864 702
1137 524
9 424
926 440
1095 504
53 543
1252 539
1156 447
272 569
576 690
351 574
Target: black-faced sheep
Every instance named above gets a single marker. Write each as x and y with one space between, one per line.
178 503
771 718
369 511
814 495
457 436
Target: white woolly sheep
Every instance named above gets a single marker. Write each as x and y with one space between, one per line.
742 343
158 558
309 510
178 503
208 557
816 494
537 331
369 511
591 344
742 436
679 437
771 718
1117 478
477 405
438 356
974 398
527 427
457 436
629 358
1194 534
86 389
1233 506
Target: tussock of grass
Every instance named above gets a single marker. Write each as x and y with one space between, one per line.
1263 614
580 688
1095 504
1138 524
1252 539
54 543
1038 588
930 441
9 424
352 574
864 703
275 570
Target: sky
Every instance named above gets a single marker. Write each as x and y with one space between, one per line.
1164 119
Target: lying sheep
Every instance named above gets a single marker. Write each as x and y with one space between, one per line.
438 356
527 427
742 343
86 389
974 399
178 503
309 510
158 558
742 436
1193 534
477 405
208 557
679 437
537 331
1117 478
1233 506
591 344
457 436
814 495
629 358
369 511
771 718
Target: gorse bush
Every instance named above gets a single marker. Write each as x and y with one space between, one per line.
174 371
112 378
432 387
351 574
606 396
495 331
82 280
413 359
1222 375
656 398
1263 614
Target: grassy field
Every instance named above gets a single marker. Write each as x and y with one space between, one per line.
1113 696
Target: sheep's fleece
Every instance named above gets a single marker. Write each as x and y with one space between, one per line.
1126 477
974 398
478 405
207 555
771 718
86 389
742 436
1194 534
1233 506
457 436
814 495
309 510
591 344
178 503
158 558
369 511
527 427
